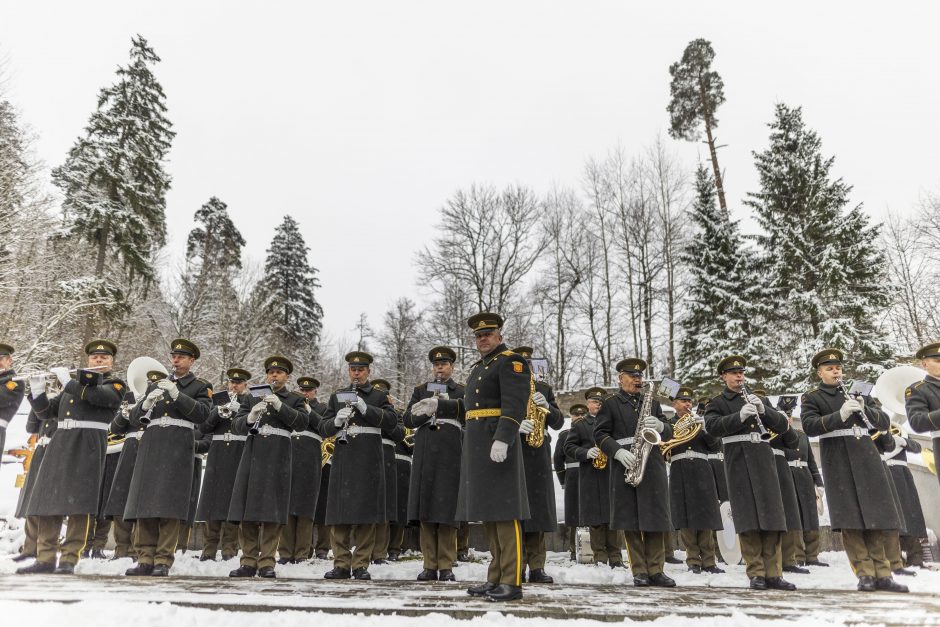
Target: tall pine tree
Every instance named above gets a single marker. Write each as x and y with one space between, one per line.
113 180
820 257
288 295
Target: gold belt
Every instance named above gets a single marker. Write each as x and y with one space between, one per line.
476 414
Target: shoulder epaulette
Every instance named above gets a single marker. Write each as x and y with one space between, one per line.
508 353
203 381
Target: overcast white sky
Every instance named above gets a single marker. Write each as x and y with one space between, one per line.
361 118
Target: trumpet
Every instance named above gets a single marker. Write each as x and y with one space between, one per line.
765 435
48 373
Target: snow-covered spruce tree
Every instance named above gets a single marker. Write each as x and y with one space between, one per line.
820 258
288 295
114 182
723 307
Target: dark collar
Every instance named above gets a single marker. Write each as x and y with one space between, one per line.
730 394
493 353
927 379
185 380
451 384
831 390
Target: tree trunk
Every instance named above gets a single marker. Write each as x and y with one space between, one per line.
719 186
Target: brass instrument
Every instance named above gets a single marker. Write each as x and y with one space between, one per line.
765 434
26 457
327 449
685 430
894 429
409 440
644 439
537 415
600 462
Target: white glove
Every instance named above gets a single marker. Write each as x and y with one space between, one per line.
37 386
652 422
499 451
342 416
273 400
625 457
526 427
152 398
899 441
819 493
425 407
169 387
539 399
62 374
233 405
593 452
748 411
360 405
861 402
754 400
849 407
255 413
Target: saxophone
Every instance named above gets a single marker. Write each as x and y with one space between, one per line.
644 439
537 415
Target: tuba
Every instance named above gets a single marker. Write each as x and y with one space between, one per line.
644 439
537 415
685 430
892 383
326 451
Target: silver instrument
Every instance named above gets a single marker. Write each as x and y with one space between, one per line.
765 435
48 373
872 429
644 440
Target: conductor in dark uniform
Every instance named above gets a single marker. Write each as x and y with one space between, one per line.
492 477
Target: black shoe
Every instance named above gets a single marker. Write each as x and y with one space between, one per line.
572 557
463 557
695 569
522 577
285 560
673 560
779 583
641 581
65 569
866 584
141 570
758 583
616 564
887 584
226 558
504 592
796 569
714 570
446 575
427 575
244 571
161 570
322 555
393 557
267 572
207 558
481 590
98 554
86 554
37 568
337 573
814 563
906 572
380 561
662 580
362 574
540 576
22 557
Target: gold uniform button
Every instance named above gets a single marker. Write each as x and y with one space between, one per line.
477 390
71 400
68 413
477 404
166 413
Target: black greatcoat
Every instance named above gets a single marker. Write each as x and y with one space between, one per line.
403 470
44 430
646 506
922 404
537 463
492 491
390 438
225 453
716 459
111 459
202 443
132 430
885 445
69 479
568 478
787 444
693 495
356 495
909 499
263 479
805 480
435 471
306 465
856 484
593 484
753 487
161 486
11 397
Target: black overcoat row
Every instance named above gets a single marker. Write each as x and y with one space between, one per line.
786 449
43 430
806 478
886 446
693 494
537 463
403 469
390 439
911 510
224 456
922 405
131 428
306 464
646 506
593 483
566 469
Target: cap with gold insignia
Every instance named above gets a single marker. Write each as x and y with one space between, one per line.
578 410
442 353
731 363
237 375
382 384
183 346
308 383
596 393
931 350
684 394
827 356
5 349
155 375
524 351
631 365
100 347
359 358
280 362
485 321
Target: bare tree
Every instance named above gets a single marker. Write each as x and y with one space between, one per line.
402 355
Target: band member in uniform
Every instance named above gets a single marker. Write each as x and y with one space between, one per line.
922 399
11 392
321 544
41 431
566 469
908 498
540 489
856 484
68 483
356 497
594 484
492 477
642 512
886 446
403 470
297 534
101 524
201 444
802 548
743 421
435 471
693 495
225 453
161 486
390 438
261 495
